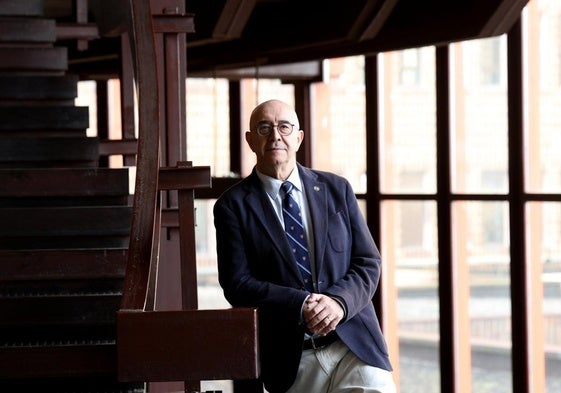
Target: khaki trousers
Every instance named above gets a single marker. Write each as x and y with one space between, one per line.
335 369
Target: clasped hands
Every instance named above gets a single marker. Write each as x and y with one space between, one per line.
321 313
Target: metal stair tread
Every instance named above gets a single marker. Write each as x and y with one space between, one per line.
41 117
68 182
39 59
20 29
38 87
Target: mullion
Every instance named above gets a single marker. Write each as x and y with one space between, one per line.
518 267
446 273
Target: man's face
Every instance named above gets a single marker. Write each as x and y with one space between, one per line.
275 150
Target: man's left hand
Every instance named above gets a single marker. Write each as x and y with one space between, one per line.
322 313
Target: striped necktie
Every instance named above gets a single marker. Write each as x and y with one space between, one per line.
295 234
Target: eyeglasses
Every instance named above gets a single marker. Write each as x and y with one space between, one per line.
265 128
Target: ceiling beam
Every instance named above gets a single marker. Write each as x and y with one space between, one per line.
233 19
506 14
311 71
371 19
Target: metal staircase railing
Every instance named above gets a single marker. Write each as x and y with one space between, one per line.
188 344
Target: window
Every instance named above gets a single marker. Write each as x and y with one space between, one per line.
410 74
461 239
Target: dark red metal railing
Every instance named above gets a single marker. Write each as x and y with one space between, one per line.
158 345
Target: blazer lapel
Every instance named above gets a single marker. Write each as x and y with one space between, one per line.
316 194
259 204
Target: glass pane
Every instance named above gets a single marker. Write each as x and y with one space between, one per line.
542 30
409 243
260 90
544 248
208 124
481 233
339 121
408 121
479 116
209 292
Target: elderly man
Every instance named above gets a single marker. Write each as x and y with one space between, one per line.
292 242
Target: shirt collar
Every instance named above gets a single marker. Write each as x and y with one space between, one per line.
272 185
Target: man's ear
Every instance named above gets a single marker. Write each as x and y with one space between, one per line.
300 137
249 140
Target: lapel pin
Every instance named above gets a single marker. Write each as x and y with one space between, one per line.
316 188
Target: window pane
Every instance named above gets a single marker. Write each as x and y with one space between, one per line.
479 116
544 247
257 91
542 30
208 124
339 121
481 233
409 242
408 121
209 292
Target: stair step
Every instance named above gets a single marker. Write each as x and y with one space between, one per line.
58 310
118 200
62 242
27 30
64 182
64 187
44 118
37 59
64 227
80 368
65 221
55 335
24 152
58 361
21 8
44 265
72 385
22 87
61 272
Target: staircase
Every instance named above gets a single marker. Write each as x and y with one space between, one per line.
64 222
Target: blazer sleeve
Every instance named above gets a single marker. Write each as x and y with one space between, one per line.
352 255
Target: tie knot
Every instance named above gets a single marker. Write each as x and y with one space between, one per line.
287 187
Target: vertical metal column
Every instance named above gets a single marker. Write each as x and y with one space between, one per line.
521 285
302 106
235 99
385 299
172 73
446 274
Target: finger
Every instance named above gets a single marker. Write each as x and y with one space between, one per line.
319 322
328 326
308 306
314 297
313 324
317 312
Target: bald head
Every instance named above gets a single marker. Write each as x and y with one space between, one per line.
275 152
273 109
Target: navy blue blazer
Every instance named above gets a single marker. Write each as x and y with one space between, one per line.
256 269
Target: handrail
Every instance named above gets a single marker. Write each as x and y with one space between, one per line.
161 345
146 186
